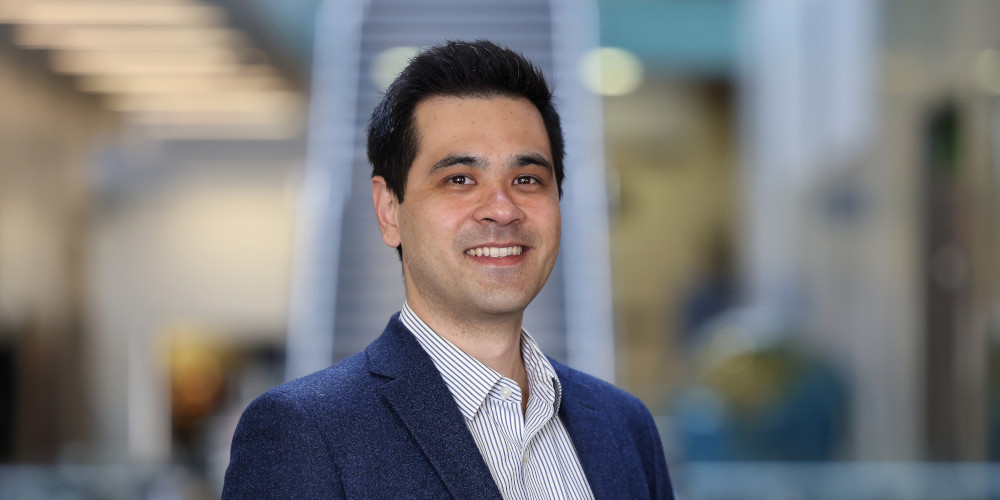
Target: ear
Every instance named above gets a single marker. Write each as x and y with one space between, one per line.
385 211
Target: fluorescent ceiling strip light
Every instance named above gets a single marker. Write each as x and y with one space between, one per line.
203 61
217 125
251 118
174 84
281 102
112 13
120 37
223 132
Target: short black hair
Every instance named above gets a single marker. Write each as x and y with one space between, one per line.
454 69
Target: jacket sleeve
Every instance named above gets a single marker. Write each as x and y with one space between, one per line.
660 485
278 452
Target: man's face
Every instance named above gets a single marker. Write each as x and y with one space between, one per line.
480 221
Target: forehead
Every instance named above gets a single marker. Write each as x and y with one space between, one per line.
479 122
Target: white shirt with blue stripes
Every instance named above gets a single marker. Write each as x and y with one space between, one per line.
529 454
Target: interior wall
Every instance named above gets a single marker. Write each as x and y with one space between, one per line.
188 236
46 132
108 240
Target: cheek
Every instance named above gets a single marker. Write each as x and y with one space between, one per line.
552 217
427 224
447 214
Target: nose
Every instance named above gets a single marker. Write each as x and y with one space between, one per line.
498 207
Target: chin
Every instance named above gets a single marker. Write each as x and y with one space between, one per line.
505 303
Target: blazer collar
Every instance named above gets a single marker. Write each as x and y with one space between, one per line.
595 436
418 395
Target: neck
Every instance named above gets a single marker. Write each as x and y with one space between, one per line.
493 340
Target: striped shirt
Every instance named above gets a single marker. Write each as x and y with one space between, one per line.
529 454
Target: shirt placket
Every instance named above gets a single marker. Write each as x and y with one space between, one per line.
540 412
503 403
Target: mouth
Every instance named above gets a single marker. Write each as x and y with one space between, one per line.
495 252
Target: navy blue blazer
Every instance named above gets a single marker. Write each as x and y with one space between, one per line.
382 424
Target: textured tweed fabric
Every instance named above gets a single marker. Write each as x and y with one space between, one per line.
382 424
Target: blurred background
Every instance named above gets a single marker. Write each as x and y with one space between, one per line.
780 229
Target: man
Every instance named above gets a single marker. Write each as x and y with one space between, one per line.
455 400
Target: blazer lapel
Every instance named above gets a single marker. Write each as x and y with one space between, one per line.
419 396
593 435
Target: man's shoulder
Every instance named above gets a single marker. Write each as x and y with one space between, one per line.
623 416
343 382
596 389
569 375
352 384
347 379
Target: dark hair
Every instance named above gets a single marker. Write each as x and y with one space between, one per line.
455 69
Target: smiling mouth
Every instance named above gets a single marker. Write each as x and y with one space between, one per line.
495 252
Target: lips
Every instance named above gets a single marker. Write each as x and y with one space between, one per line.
495 252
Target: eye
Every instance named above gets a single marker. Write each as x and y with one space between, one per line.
525 180
459 179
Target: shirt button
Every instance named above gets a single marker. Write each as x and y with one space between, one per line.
505 392
527 455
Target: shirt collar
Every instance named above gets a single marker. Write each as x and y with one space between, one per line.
469 380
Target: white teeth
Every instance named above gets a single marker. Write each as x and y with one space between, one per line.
496 252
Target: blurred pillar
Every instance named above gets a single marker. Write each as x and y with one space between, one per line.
826 235
326 187
808 98
585 248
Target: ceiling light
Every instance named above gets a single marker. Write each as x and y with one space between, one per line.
210 126
204 117
111 13
276 101
388 63
611 71
201 61
216 132
169 66
177 84
117 37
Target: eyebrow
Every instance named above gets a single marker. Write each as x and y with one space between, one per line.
531 159
458 159
516 161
